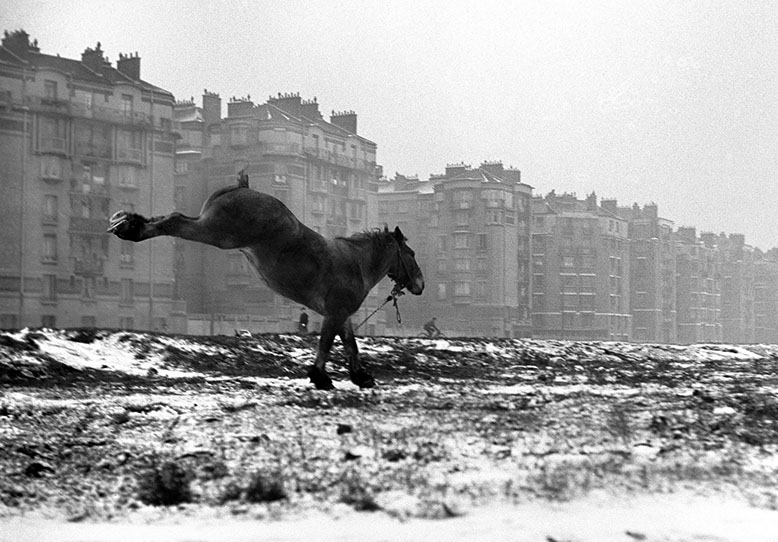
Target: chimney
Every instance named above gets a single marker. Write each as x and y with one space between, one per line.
452 170
212 108
591 202
493 168
610 205
129 65
688 234
310 109
288 103
240 107
18 42
346 120
93 58
708 238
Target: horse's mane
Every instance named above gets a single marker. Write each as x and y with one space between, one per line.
377 236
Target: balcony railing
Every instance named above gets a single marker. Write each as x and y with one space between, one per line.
93 226
129 155
52 144
88 267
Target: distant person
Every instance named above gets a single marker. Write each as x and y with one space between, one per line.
302 324
431 329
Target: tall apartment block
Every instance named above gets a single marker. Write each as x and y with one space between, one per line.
652 274
737 288
698 287
79 140
580 269
470 228
321 169
766 298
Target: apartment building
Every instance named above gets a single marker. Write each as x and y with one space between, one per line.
580 269
737 275
323 170
766 298
652 274
79 140
470 229
698 287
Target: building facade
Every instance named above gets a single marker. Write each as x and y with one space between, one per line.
580 269
79 140
470 230
652 274
322 170
698 298
737 275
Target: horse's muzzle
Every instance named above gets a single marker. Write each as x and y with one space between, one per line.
416 286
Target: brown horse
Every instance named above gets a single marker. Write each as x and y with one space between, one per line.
330 276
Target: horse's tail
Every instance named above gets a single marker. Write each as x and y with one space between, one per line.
243 179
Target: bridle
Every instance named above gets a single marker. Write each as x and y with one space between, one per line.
397 290
399 284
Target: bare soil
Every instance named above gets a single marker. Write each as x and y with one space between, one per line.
477 437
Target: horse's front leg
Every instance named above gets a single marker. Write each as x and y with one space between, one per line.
357 373
318 373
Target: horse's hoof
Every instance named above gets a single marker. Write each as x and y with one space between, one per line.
363 379
126 225
320 379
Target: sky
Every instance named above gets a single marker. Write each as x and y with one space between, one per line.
670 102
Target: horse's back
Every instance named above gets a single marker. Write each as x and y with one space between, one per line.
250 214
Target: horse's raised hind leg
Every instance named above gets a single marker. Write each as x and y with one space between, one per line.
357 373
317 373
135 227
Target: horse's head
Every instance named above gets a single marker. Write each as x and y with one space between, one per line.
405 272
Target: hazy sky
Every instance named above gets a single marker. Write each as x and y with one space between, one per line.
670 102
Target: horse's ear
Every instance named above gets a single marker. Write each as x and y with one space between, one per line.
398 235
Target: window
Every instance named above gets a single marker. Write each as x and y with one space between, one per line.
127 250
442 244
51 167
482 241
442 290
481 289
461 240
49 248
88 290
127 105
129 145
462 264
88 100
587 320
442 266
52 135
568 261
8 321
128 176
50 89
463 218
462 288
50 209
127 292
49 287
48 321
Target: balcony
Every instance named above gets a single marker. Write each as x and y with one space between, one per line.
96 151
91 267
89 226
281 148
48 105
55 145
134 156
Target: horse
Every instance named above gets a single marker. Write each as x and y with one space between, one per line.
332 277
